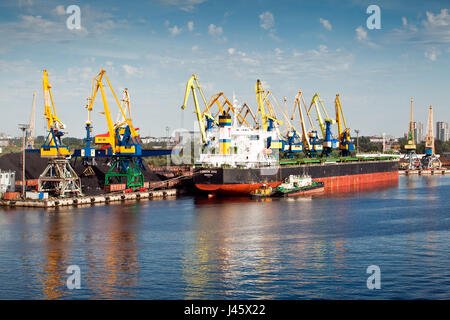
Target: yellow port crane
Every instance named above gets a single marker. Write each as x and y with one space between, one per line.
324 124
112 137
191 85
430 160
411 160
248 111
58 177
411 144
316 98
52 147
268 117
208 117
298 106
345 142
121 143
224 107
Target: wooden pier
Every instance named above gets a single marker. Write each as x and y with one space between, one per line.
78 201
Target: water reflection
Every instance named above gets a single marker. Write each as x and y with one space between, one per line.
305 247
232 243
57 245
111 254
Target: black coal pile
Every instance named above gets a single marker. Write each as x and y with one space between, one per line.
34 164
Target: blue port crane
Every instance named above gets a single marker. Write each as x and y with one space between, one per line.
345 142
121 144
325 126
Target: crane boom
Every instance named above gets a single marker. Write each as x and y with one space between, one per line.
52 147
429 138
322 121
411 143
32 125
267 116
190 86
112 138
298 105
345 144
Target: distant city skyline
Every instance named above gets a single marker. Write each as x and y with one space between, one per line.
152 48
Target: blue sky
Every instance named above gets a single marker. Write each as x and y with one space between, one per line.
152 47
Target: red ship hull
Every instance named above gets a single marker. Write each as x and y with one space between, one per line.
215 180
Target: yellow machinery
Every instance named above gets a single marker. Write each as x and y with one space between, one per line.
411 160
268 116
411 144
321 121
209 116
248 111
345 142
324 124
122 142
58 178
52 147
190 86
224 108
116 131
430 160
298 106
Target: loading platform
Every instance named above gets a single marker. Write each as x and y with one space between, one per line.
103 198
442 171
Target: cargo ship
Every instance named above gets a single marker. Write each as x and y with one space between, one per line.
242 181
239 163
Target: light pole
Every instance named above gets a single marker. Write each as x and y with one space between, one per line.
24 128
357 140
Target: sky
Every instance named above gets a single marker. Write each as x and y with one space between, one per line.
152 47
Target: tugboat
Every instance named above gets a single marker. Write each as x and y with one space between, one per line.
264 191
298 185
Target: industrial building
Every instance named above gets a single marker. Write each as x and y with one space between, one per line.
442 131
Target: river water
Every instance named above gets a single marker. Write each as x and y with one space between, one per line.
188 248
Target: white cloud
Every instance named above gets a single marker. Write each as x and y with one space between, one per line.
266 20
59 10
326 24
215 30
132 71
438 20
278 51
231 50
361 34
432 54
434 30
190 25
194 48
185 5
174 31
404 22
323 48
